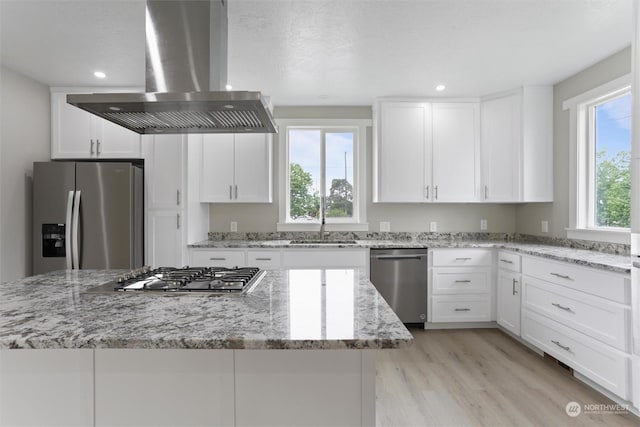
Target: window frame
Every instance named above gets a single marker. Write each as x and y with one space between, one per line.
359 128
582 162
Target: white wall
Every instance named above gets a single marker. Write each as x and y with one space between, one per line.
25 117
403 217
529 216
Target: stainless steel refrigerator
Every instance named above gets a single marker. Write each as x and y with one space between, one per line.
87 215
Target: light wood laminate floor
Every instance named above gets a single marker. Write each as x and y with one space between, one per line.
479 377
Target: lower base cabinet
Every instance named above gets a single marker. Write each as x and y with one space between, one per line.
508 301
179 387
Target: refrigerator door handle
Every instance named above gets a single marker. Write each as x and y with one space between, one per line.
67 231
76 219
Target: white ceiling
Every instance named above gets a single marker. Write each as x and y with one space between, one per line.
332 52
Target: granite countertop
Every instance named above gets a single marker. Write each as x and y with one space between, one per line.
587 258
288 309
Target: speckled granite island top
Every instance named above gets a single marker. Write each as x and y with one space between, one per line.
288 309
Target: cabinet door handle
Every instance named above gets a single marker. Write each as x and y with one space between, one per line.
435 192
427 192
178 221
564 347
562 276
561 307
486 192
236 189
230 192
463 281
97 146
513 289
506 260
263 259
91 148
178 197
462 309
463 258
218 259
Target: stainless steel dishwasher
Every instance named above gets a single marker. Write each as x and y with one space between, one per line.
400 275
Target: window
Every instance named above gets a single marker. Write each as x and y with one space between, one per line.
600 123
321 166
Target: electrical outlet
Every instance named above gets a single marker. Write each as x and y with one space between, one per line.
545 226
385 226
483 224
234 226
433 226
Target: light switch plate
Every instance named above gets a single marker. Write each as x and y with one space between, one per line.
234 226
433 226
545 226
385 226
483 224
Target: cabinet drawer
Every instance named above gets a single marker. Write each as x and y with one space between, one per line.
461 257
602 364
461 308
264 259
446 281
217 258
509 261
590 280
599 318
323 258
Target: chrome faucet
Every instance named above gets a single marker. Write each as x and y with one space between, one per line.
323 203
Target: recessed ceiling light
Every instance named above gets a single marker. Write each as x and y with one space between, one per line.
229 87
100 74
440 88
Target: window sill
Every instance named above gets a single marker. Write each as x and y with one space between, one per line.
600 235
346 226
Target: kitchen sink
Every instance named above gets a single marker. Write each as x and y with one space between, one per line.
322 242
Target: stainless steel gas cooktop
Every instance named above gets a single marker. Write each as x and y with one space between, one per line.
185 280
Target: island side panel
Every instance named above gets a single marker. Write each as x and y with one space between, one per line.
46 387
168 387
303 387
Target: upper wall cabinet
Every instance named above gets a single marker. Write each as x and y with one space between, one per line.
76 134
517 146
236 168
426 152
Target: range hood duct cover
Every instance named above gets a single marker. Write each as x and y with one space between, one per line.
186 71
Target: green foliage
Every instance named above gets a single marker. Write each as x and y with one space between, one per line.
340 199
613 190
305 203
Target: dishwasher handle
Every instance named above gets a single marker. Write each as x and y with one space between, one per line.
396 257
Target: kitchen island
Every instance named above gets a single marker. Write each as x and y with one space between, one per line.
298 350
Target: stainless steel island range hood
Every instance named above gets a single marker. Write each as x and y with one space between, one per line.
186 73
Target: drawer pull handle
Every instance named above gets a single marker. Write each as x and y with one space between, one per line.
513 288
263 259
507 261
561 307
463 281
218 259
562 276
463 258
565 348
462 309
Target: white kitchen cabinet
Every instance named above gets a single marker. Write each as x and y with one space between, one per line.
403 152
264 258
77 134
455 151
325 258
517 146
236 168
165 242
508 292
426 151
164 161
218 258
460 287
